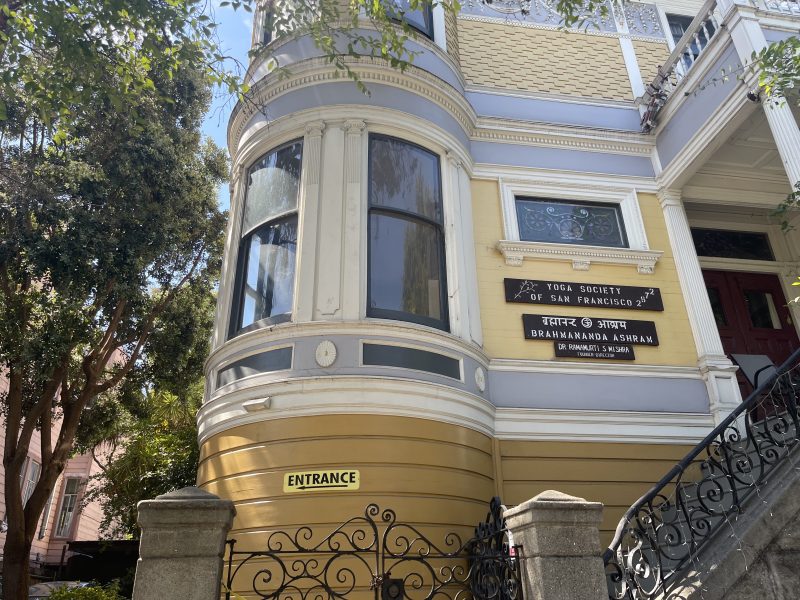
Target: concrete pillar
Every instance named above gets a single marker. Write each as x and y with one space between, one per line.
716 368
561 552
182 546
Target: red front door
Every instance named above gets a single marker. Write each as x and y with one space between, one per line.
751 314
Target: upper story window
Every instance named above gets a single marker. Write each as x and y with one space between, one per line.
419 19
406 234
268 250
563 222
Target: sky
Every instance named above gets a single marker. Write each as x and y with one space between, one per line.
234 29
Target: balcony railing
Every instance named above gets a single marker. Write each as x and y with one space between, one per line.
667 528
687 52
785 7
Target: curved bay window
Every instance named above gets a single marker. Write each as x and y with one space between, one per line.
406 234
268 250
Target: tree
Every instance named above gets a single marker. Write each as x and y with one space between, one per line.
149 446
100 233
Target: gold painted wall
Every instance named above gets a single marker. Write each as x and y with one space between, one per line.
451 35
432 473
502 322
650 56
614 474
536 60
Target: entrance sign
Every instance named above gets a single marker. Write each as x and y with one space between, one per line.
309 481
584 329
590 350
566 293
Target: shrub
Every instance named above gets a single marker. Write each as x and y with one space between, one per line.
86 593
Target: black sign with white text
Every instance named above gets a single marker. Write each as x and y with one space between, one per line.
565 293
594 350
585 329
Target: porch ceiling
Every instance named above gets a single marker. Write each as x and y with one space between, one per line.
746 170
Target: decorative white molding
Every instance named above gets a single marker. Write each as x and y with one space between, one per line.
388 396
516 365
601 426
317 71
347 395
581 257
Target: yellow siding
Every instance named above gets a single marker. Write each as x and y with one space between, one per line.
451 35
502 321
614 474
650 56
542 60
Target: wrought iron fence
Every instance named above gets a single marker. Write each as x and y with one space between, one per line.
394 559
664 531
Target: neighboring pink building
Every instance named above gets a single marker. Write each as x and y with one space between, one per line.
64 518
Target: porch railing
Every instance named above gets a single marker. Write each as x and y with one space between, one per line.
666 528
686 53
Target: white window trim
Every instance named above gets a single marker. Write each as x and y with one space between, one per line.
516 251
71 523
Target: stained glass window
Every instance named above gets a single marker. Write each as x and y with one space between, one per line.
732 244
563 222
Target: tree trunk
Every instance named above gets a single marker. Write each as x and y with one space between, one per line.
16 565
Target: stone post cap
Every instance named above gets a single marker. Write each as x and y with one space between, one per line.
189 505
555 506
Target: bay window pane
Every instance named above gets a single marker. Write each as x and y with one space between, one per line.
406 267
404 177
269 275
272 186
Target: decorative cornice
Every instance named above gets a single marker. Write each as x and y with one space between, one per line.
496 130
316 71
581 257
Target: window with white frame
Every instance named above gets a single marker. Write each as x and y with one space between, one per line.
264 292
30 480
581 223
406 254
69 504
420 19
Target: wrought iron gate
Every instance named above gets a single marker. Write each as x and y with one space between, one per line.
395 559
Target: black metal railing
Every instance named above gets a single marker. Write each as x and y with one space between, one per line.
374 552
666 528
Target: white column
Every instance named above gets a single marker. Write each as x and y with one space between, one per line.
628 51
354 215
748 38
308 223
787 136
717 370
464 204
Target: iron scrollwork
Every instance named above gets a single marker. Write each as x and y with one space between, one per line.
663 532
394 560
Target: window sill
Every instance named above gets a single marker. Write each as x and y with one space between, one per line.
581 257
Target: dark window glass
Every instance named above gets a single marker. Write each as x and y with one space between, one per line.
406 239
761 308
420 19
269 271
411 358
716 307
732 244
267 255
404 177
588 224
